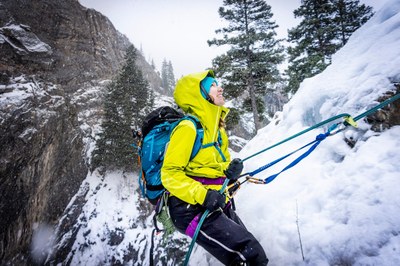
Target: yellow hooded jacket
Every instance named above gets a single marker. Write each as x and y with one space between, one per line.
177 166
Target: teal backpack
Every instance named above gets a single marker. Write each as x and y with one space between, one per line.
155 134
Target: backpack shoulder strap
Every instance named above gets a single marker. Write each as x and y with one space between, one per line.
198 144
199 134
195 121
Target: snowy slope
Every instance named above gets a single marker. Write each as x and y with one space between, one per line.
344 200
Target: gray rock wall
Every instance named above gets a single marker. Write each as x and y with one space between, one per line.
52 52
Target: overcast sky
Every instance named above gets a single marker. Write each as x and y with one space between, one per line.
178 30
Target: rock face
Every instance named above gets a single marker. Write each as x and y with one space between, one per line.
52 52
389 115
76 44
41 161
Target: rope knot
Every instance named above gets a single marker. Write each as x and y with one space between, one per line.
321 137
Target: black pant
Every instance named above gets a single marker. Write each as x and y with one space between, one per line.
222 234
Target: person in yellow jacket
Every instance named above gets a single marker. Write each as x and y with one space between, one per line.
194 184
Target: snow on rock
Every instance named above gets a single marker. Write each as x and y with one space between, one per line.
23 40
109 223
19 94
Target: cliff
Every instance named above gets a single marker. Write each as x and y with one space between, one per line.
53 53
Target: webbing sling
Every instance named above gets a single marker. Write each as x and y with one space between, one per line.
315 143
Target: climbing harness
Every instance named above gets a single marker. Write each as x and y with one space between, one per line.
332 130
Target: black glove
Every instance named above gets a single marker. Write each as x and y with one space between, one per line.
234 170
214 200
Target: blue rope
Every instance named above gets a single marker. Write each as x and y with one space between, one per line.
298 134
315 143
344 115
262 168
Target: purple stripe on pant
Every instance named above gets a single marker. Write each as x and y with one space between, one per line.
191 229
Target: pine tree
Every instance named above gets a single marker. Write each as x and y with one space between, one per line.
325 28
350 16
167 76
313 37
254 53
153 65
164 74
171 77
126 102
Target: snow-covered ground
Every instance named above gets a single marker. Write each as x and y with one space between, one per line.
109 221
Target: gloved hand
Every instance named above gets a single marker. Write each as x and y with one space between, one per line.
234 170
214 200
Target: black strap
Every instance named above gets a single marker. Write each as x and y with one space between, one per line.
151 262
157 210
155 223
154 187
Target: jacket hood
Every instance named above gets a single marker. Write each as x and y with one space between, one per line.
188 97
